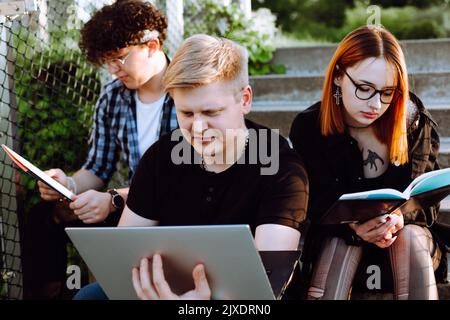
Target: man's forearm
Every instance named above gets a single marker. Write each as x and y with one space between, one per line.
86 180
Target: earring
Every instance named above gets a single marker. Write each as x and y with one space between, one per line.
337 95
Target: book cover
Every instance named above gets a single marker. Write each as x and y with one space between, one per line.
423 192
38 174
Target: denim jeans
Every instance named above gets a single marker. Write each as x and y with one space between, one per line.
92 291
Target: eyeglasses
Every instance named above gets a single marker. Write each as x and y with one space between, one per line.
146 37
366 91
118 62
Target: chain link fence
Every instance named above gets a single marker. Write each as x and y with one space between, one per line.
47 96
48 92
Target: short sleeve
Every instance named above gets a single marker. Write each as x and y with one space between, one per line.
285 199
142 196
297 134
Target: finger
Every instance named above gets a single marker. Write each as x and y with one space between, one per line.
201 282
146 284
386 243
381 244
89 220
389 235
363 228
43 186
50 197
392 240
377 233
48 191
78 203
88 210
55 173
375 223
397 221
381 223
159 281
137 284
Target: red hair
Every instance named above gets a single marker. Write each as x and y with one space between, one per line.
360 44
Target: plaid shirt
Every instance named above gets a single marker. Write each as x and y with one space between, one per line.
115 130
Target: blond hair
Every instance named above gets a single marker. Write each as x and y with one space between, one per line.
203 59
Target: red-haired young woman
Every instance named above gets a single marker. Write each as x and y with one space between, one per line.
368 132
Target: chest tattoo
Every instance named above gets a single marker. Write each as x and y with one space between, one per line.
371 159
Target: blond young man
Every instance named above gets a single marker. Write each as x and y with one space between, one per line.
211 170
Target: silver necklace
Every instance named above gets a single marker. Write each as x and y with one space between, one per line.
247 138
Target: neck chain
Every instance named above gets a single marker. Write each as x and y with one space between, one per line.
247 138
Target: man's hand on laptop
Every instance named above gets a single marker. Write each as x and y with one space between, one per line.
158 288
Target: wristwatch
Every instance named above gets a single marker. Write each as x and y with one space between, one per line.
116 199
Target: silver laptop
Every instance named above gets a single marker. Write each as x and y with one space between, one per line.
233 266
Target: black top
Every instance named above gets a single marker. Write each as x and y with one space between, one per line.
185 194
335 164
394 177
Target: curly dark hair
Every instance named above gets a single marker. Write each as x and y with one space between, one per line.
119 25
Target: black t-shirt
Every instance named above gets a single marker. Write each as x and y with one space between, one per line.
185 194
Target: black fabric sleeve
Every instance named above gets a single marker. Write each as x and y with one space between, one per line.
143 194
296 134
285 199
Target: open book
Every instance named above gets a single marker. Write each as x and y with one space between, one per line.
423 192
37 173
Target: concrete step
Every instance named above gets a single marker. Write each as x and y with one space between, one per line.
444 154
280 114
445 207
428 86
421 56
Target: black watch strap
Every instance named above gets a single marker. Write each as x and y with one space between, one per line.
116 199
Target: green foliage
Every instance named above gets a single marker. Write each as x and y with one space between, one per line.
298 15
56 92
414 3
405 23
330 21
256 34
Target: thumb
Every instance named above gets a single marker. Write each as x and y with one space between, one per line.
201 283
56 174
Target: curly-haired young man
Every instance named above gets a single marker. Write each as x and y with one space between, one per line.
132 113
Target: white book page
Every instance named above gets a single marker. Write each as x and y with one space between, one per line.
374 194
42 175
